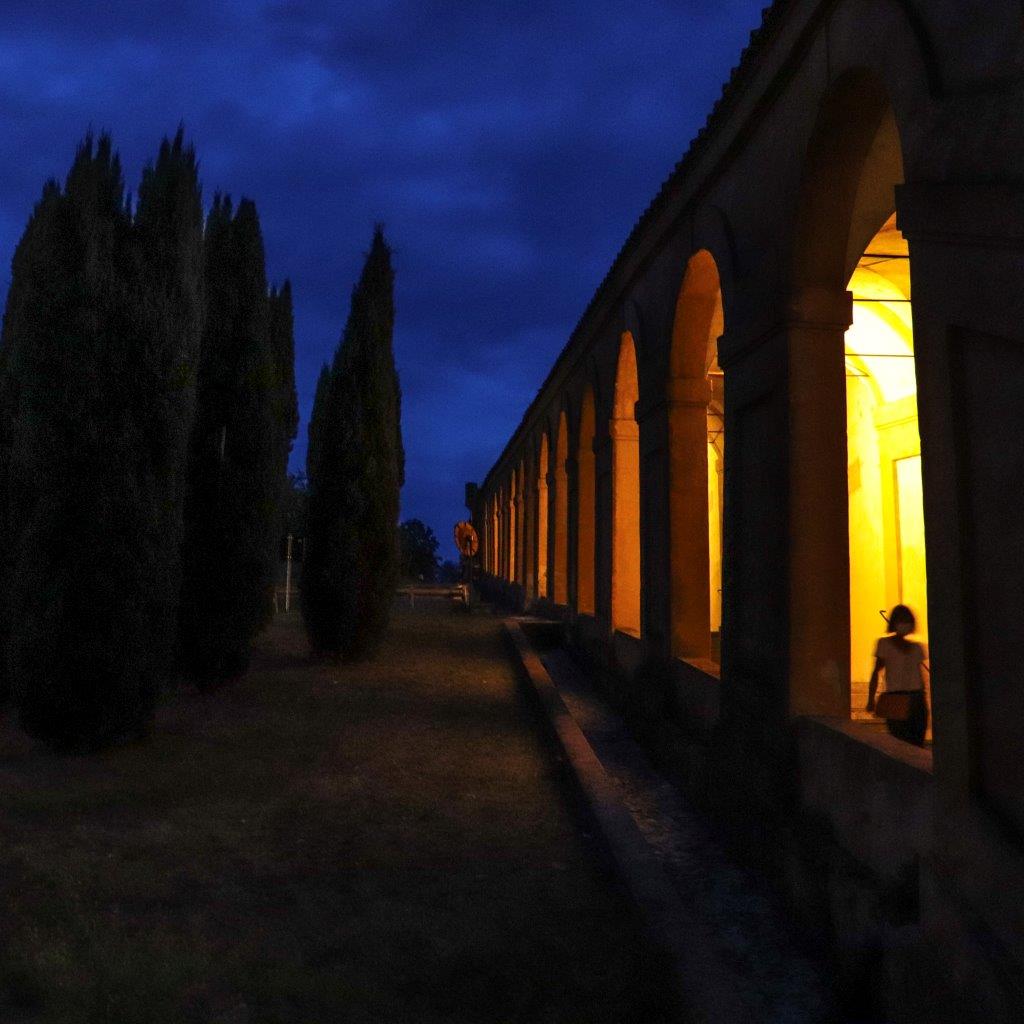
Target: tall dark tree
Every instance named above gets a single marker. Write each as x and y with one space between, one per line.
418 546
235 485
316 423
351 565
169 229
282 341
101 355
37 281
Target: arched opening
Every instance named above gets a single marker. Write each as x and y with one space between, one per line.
586 508
503 532
624 432
888 563
495 535
543 513
561 524
513 526
857 535
696 420
529 530
520 477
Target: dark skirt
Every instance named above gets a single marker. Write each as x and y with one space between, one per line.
914 728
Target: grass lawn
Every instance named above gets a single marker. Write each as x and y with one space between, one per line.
380 843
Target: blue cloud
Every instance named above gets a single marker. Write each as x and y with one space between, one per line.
508 149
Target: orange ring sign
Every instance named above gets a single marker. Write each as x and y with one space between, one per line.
466 539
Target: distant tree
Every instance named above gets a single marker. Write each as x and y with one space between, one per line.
316 423
418 547
235 456
282 341
450 572
293 507
356 473
100 344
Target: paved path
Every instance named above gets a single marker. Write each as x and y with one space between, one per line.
747 951
381 843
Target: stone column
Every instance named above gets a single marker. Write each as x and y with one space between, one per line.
572 530
603 534
625 576
819 562
688 517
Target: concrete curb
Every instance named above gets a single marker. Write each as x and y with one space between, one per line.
704 987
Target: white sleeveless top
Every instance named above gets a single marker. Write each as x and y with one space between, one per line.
902 663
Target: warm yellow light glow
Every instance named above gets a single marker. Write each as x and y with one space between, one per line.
625 437
561 523
543 512
585 508
696 429
887 548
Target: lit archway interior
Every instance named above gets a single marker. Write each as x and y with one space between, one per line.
561 523
585 532
887 546
624 433
542 518
696 402
520 526
513 553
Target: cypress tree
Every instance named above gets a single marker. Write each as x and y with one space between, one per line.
351 566
231 516
282 342
31 298
316 422
169 229
101 361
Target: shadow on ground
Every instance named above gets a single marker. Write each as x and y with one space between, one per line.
384 842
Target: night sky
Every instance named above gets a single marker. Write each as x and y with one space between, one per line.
507 147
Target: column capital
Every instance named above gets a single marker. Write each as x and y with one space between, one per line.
623 429
815 306
683 391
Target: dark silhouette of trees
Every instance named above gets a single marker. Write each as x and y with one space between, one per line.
100 341
316 422
418 548
355 475
282 342
34 290
237 455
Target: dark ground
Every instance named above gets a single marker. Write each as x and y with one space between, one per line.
379 843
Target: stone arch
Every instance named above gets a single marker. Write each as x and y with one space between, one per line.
696 436
624 434
543 515
560 506
520 519
856 495
586 504
512 528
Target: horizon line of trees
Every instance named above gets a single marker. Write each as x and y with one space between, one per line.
147 411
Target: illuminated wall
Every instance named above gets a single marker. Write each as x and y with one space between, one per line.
543 512
513 528
887 550
561 523
625 439
696 425
586 508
